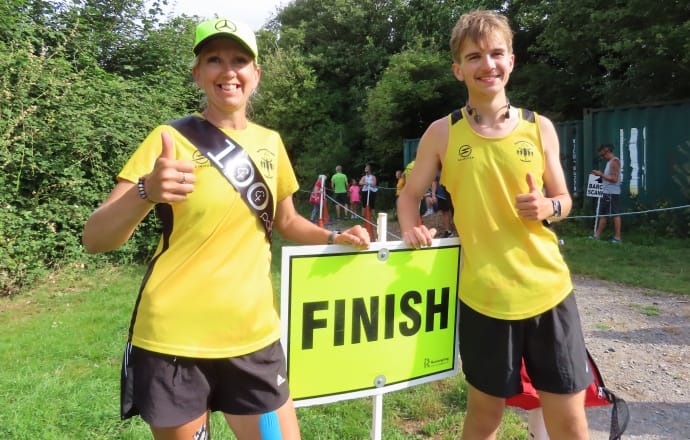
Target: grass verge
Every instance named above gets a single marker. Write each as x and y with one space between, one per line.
61 343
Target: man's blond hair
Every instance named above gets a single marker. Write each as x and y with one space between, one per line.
478 26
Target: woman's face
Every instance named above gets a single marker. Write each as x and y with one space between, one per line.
227 74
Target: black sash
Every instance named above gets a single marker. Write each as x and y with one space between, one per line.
233 162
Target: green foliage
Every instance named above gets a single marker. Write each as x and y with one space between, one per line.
65 131
629 52
660 221
344 82
416 88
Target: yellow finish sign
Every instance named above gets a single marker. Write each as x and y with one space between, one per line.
359 323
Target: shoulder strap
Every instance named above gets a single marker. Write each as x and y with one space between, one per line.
528 115
233 162
455 116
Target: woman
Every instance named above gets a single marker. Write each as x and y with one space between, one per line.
205 335
369 189
316 196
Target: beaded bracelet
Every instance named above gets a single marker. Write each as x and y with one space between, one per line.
142 190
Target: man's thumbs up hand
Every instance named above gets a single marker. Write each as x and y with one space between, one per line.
531 205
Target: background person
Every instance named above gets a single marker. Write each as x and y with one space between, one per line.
611 183
339 186
368 192
442 203
516 295
316 196
204 334
355 197
399 183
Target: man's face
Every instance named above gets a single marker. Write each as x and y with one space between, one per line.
485 67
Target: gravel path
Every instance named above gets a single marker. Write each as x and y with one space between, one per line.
640 339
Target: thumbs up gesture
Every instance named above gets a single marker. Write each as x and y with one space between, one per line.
532 205
171 179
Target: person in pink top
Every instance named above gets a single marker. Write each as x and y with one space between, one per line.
355 198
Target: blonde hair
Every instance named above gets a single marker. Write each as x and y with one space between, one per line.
478 26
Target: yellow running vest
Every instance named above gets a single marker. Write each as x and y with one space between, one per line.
512 268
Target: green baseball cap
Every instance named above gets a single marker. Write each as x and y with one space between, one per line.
224 27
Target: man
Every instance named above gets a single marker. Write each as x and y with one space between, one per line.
399 183
611 180
501 166
339 185
441 200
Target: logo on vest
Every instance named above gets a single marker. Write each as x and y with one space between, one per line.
464 152
525 151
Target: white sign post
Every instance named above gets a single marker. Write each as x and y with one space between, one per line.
595 189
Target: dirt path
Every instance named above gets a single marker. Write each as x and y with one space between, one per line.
640 339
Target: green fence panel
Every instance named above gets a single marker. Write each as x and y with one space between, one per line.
409 150
570 138
647 139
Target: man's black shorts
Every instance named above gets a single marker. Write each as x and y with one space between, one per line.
608 205
552 345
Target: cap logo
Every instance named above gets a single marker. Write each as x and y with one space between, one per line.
225 26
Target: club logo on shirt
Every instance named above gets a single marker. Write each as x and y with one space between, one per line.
525 151
266 162
465 152
200 161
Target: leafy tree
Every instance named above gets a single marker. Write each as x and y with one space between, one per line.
346 44
417 87
629 52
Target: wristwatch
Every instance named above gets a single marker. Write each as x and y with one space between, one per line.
556 208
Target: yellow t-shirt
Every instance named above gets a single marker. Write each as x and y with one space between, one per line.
208 291
512 268
399 185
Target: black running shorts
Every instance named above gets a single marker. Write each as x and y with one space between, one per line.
169 391
552 345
